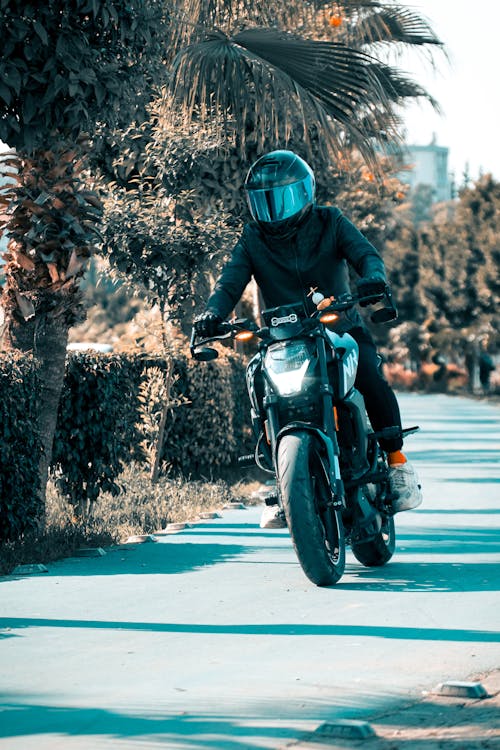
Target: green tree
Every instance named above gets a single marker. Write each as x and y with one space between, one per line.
66 70
447 273
459 258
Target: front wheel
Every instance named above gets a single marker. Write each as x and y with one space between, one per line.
315 527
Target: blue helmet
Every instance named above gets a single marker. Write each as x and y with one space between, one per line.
280 189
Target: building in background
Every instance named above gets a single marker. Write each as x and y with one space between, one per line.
428 165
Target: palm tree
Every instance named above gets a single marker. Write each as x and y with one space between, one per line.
335 77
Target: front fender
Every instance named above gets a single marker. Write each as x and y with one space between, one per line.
333 468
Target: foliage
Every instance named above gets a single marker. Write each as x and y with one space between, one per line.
96 431
19 446
329 78
161 235
369 202
422 197
158 409
459 259
446 275
142 508
110 410
50 215
156 242
211 432
68 67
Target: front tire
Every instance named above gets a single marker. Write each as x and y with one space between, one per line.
316 528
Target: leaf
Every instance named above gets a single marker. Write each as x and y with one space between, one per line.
53 272
23 261
5 93
25 305
75 265
41 32
93 200
12 77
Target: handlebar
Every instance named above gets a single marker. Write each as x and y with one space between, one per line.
344 303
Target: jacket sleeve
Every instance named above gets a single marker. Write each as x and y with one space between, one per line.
357 250
232 281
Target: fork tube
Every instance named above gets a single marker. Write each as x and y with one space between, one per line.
271 409
326 390
329 423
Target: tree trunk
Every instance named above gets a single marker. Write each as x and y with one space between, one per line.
51 340
155 471
47 339
194 304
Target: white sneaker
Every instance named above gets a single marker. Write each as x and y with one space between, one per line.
273 517
404 484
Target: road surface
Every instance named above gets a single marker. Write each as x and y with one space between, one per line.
213 638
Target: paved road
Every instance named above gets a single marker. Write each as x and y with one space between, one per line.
214 639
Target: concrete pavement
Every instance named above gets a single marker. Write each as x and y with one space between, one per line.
213 638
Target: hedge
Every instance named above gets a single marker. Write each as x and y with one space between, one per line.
99 427
19 446
205 437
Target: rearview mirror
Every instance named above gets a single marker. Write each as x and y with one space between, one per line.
205 354
384 315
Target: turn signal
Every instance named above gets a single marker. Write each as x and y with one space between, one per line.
329 317
244 336
325 302
336 418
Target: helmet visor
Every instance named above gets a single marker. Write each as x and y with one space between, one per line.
280 202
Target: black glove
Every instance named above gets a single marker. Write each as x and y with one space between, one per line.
372 286
207 324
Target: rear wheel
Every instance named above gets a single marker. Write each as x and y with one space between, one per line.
378 550
315 527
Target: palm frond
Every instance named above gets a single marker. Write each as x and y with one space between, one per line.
326 84
192 19
395 24
399 86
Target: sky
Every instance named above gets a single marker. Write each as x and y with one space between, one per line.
467 86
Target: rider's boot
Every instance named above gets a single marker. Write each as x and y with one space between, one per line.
404 483
273 517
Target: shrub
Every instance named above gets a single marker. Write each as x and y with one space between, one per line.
206 436
104 422
100 431
97 430
19 447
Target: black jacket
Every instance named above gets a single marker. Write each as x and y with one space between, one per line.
285 270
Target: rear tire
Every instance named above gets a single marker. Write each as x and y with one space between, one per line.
377 551
316 529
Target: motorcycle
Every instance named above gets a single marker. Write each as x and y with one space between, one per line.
312 432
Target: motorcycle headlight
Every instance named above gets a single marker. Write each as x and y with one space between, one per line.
286 364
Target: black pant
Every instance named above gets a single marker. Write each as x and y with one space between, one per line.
380 401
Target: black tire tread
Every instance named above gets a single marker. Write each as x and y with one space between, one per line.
377 552
298 502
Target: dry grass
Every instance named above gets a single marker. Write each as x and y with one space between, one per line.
141 508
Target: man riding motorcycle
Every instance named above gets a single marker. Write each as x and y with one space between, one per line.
291 247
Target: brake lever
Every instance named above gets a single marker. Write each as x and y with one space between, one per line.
194 342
